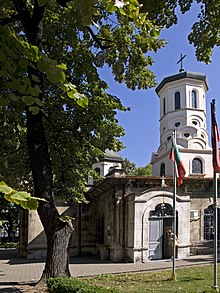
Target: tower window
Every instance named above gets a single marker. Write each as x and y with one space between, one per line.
194 99
177 124
195 122
197 166
164 106
186 134
162 169
177 100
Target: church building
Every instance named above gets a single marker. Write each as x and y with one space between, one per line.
130 217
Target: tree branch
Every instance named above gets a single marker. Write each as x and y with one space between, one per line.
96 39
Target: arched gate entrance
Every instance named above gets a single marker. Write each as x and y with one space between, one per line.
160 228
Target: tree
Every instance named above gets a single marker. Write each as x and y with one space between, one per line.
133 170
129 167
144 171
63 119
205 31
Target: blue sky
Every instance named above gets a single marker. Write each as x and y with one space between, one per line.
141 124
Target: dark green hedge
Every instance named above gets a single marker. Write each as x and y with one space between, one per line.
72 285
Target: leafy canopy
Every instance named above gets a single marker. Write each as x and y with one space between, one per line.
133 170
55 75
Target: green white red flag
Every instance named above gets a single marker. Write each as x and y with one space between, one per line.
215 140
175 157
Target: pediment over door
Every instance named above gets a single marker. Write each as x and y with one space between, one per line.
161 192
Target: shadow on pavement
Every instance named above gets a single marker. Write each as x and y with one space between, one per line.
11 256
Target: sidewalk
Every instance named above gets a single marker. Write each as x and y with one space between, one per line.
14 271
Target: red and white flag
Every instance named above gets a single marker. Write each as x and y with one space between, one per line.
215 140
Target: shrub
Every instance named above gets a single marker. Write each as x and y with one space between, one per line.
72 285
8 245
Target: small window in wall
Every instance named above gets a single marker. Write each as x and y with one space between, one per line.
177 100
177 124
168 138
194 99
186 134
162 169
197 166
164 106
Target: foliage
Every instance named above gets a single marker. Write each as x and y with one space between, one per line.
205 31
67 285
129 167
144 171
9 244
132 170
56 75
22 198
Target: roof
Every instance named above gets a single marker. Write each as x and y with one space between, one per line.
148 182
181 75
111 156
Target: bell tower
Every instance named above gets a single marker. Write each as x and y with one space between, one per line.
183 108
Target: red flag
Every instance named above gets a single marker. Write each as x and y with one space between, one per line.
175 156
215 140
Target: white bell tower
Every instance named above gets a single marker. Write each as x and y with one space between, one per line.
183 108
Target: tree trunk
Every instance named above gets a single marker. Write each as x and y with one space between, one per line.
58 233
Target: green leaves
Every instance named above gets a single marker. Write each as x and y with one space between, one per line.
66 219
205 34
21 198
16 57
110 7
28 100
42 2
5 189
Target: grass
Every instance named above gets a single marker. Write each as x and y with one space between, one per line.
189 280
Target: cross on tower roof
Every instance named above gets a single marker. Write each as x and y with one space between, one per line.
181 62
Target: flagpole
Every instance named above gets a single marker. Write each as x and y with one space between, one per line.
215 203
174 214
216 169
